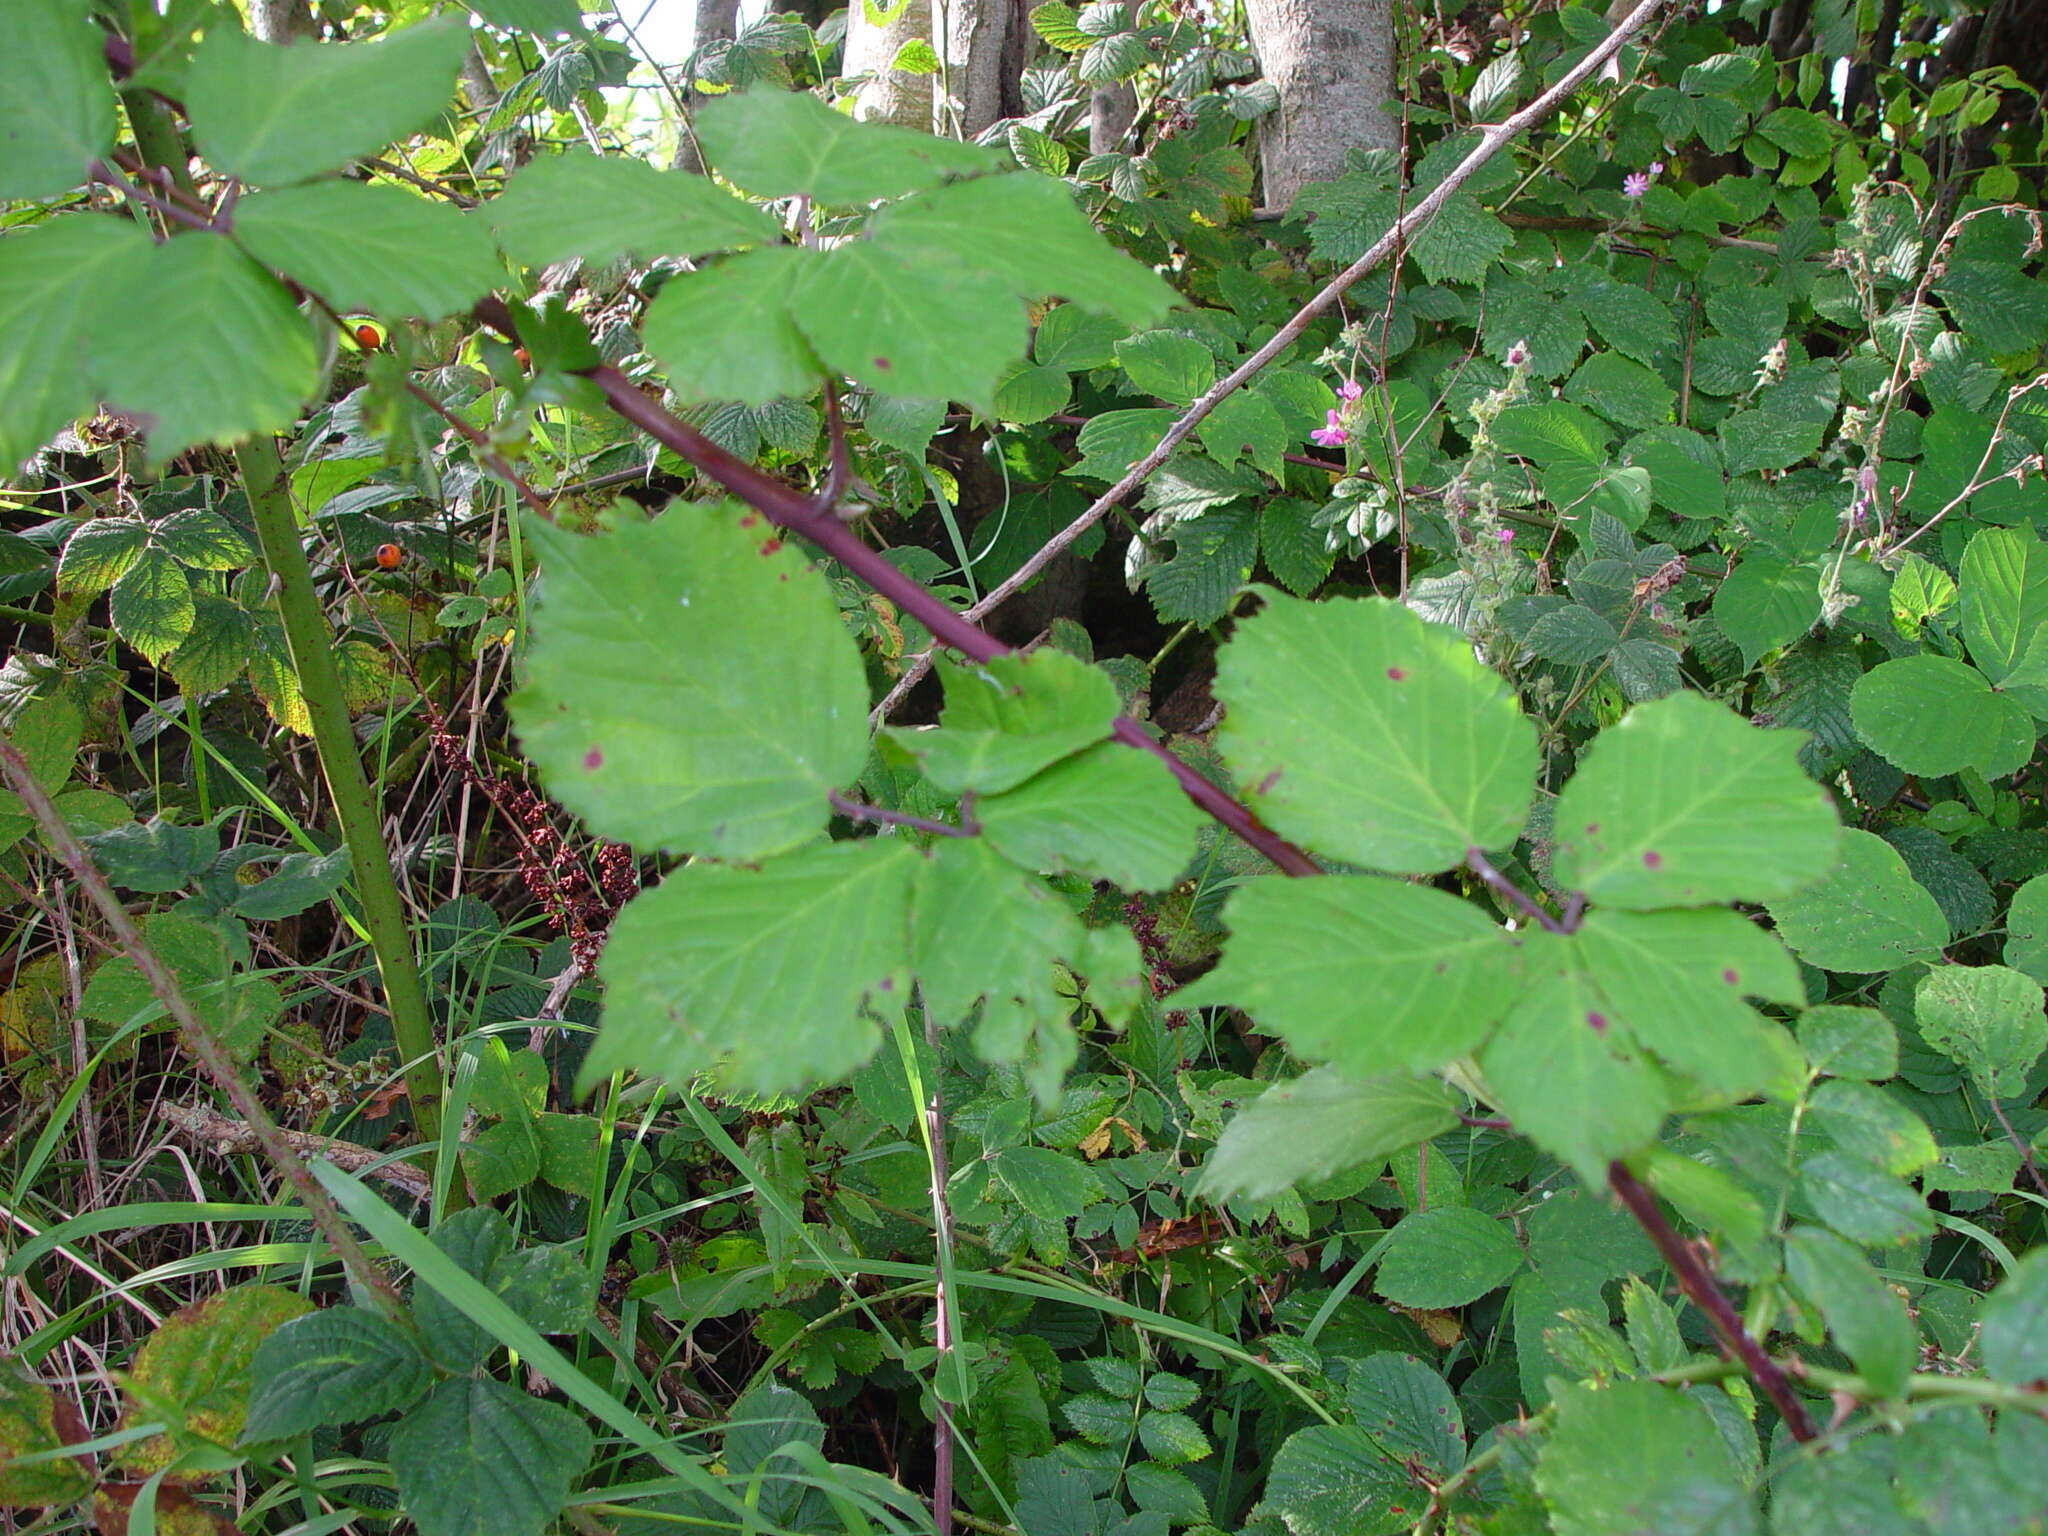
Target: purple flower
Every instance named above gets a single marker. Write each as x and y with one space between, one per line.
1506 537
1634 185
1331 434
1350 389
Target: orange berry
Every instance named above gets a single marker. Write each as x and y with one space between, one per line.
369 338
388 556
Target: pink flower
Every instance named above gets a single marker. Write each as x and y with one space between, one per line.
1656 167
1506 537
1350 389
1634 184
1331 434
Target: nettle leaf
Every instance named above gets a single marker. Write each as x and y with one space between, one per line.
1029 234
1108 813
195 1371
28 1427
909 324
1321 1124
601 209
760 975
1685 803
1767 603
1447 1256
720 730
785 144
53 285
1638 1456
371 247
226 354
2004 576
1335 1480
273 115
1987 1019
1934 715
1007 718
151 607
1372 736
332 1367
1867 915
725 333
56 106
481 1458
1305 954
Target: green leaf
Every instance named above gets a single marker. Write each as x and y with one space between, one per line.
1112 442
1767 603
1920 590
1868 915
1995 303
371 247
1302 952
272 115
722 728
1987 1019
783 144
724 332
1862 1202
1933 715
1372 736
195 954
201 538
1335 1480
152 604
546 1287
1056 24
1006 719
1172 1439
1571 635
1408 1409
1867 1318
99 553
1685 803
1562 1074
1246 425
216 649
300 880
2014 1326
980 927
1626 393
900 322
1292 547
1850 1042
1167 364
1803 135
1109 813
759 974
1447 1256
1633 1456
332 1367
1030 392
548 18
195 1371
28 1427
2026 929
481 1458
53 284
56 108
155 855
1103 1420
1213 556
1869 1123
1321 1124
225 355
1551 432
2004 576
1050 1185
577 204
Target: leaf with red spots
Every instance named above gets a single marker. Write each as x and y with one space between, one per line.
1686 804
1396 747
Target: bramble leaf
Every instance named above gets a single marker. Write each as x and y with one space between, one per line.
371 247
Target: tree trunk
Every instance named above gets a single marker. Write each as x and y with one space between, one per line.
1333 64
1111 111
717 22
280 21
890 95
982 52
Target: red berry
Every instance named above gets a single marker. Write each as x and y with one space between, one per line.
388 556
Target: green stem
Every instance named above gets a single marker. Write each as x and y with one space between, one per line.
355 807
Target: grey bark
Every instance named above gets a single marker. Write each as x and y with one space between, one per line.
1333 64
1111 111
279 21
718 21
982 45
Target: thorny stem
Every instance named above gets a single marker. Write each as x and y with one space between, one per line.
311 641
1521 900
859 810
1493 138
1697 1281
198 1038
